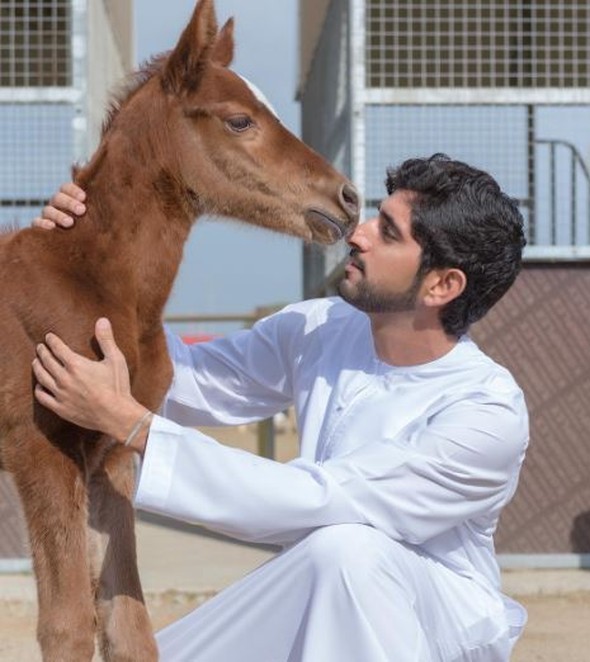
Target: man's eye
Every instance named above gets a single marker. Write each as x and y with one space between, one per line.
239 123
387 232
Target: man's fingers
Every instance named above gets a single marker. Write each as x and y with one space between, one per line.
46 399
49 363
73 191
66 203
56 217
104 334
43 376
59 350
44 223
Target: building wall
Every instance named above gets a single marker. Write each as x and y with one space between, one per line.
59 62
541 331
503 86
13 534
405 102
120 14
110 58
312 14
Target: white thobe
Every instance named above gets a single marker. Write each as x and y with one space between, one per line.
411 466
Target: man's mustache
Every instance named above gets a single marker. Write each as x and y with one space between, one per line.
355 259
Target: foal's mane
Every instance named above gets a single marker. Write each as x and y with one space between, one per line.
83 173
130 85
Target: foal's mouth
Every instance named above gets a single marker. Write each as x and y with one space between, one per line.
325 228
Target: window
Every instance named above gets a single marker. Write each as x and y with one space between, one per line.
35 38
478 43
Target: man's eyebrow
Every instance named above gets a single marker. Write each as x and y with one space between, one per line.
390 221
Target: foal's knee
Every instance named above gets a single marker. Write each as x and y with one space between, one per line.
66 643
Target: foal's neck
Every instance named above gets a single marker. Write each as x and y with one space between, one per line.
138 220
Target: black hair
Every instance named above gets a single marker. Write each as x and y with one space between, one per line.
462 219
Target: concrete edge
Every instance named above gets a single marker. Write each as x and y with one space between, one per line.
16 566
506 561
544 561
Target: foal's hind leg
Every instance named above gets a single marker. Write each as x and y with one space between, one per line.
52 491
124 627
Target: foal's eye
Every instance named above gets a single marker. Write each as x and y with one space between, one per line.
239 123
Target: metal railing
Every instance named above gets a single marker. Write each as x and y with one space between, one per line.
577 166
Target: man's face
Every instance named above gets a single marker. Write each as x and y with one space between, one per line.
381 275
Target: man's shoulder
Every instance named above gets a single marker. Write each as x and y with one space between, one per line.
486 370
326 310
315 327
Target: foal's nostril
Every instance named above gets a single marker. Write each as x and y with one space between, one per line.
349 199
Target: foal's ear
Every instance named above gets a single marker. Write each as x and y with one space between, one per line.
223 48
183 66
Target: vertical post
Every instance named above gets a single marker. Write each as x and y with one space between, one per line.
573 191
531 172
266 438
357 27
79 55
552 167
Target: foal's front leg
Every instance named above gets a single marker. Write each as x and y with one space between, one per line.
125 631
53 494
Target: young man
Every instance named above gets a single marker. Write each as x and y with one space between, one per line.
411 442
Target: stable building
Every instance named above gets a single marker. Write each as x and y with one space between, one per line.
504 86
58 61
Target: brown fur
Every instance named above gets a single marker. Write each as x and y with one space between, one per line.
166 156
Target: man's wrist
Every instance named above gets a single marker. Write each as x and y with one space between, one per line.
137 438
131 426
139 442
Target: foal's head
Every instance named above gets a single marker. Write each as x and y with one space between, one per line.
216 142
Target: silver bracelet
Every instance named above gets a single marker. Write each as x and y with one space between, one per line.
137 427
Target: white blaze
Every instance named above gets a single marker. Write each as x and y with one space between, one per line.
257 92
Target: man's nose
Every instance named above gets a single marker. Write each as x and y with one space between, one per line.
360 239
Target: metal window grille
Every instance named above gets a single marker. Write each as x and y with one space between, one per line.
35 37
501 84
36 143
553 191
58 60
481 43
493 138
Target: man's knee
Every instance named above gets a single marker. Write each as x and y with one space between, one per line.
354 550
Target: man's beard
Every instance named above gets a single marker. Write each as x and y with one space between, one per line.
371 300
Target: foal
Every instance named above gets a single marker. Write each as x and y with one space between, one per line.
189 138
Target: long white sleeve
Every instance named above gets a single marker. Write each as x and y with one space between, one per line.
461 466
189 476
242 378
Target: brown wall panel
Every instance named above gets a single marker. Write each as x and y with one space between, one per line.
541 332
13 536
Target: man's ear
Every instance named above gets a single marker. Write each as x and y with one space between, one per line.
441 286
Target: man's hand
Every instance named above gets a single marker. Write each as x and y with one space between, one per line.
63 206
92 394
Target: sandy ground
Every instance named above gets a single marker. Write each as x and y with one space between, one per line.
558 629
558 601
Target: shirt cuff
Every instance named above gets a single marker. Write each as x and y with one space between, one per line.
157 467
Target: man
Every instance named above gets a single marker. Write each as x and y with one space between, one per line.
411 442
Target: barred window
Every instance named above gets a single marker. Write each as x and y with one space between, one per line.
36 144
35 38
478 43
